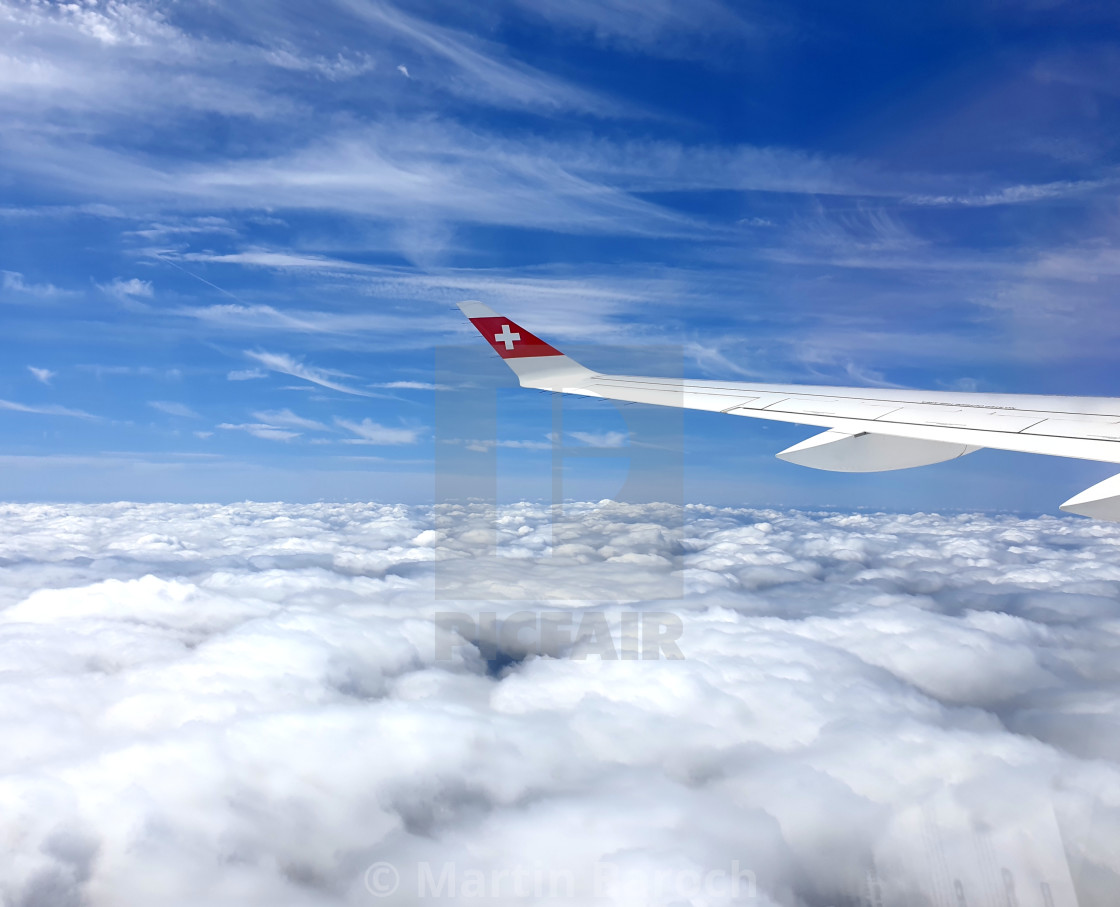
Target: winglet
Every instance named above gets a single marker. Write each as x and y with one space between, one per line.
510 340
1100 501
536 363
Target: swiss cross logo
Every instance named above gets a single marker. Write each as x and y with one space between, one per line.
507 337
510 341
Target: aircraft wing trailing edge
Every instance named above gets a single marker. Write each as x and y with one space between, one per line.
866 429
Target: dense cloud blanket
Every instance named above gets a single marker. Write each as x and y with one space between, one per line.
310 705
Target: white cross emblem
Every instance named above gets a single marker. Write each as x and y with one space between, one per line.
506 337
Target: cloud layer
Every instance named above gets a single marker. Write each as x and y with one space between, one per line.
252 705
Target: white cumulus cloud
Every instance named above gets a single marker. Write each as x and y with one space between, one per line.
264 703
126 290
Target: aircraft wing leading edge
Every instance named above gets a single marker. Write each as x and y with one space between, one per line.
866 429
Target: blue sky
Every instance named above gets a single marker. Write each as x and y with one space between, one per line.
232 235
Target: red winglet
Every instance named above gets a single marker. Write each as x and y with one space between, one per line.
510 340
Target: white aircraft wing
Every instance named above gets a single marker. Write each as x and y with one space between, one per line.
867 429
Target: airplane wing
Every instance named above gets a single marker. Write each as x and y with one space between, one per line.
866 429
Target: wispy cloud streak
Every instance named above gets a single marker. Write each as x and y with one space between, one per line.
288 365
47 409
